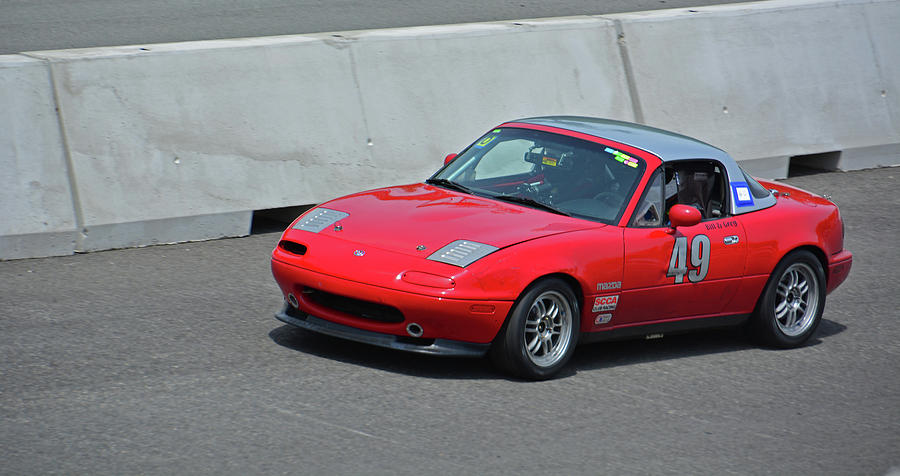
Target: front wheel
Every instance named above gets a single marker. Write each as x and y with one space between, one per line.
791 306
540 334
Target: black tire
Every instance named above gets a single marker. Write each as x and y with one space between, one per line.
790 308
540 333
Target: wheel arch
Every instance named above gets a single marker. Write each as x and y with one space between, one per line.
573 284
508 350
815 250
570 280
763 324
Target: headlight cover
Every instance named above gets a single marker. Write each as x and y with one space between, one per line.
320 219
462 253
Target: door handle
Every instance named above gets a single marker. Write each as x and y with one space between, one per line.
730 240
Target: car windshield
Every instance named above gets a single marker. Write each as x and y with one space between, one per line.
547 171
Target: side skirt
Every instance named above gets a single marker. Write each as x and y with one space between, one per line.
653 331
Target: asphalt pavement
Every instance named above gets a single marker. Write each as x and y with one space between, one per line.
168 360
31 25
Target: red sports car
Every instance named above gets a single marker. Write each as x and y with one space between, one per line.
552 231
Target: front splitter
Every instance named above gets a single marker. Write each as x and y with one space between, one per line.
443 347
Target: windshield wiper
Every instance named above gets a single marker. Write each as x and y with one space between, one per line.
449 184
530 202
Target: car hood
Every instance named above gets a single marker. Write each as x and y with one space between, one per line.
406 218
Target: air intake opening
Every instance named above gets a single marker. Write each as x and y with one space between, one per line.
292 247
811 164
354 307
275 220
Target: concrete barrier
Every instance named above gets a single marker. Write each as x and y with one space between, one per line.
37 214
192 137
430 91
771 80
177 142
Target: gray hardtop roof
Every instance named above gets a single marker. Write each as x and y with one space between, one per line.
664 144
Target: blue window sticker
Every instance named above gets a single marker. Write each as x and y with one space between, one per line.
742 195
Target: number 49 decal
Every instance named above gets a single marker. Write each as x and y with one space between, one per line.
699 259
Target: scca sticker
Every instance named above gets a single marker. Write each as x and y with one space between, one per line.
605 303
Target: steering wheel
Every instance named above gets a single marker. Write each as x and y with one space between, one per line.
612 199
534 191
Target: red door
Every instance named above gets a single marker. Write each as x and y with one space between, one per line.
693 272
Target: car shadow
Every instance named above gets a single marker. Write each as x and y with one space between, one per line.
390 360
587 357
826 329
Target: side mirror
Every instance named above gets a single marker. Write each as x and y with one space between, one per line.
683 215
449 158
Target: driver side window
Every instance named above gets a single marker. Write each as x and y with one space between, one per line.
697 183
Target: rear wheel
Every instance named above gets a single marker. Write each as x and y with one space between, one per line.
791 306
540 334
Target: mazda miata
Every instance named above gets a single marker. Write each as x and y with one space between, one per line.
548 232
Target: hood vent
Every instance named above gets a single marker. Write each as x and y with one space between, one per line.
462 253
319 219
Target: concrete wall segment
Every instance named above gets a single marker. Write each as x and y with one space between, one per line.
37 216
882 24
430 95
767 79
221 130
167 131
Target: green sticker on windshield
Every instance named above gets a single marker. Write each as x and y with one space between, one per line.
623 157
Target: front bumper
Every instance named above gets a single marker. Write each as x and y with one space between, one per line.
296 317
443 319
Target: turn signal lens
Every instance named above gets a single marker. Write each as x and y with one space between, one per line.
481 309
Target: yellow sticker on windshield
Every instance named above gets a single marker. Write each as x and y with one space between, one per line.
549 161
483 142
